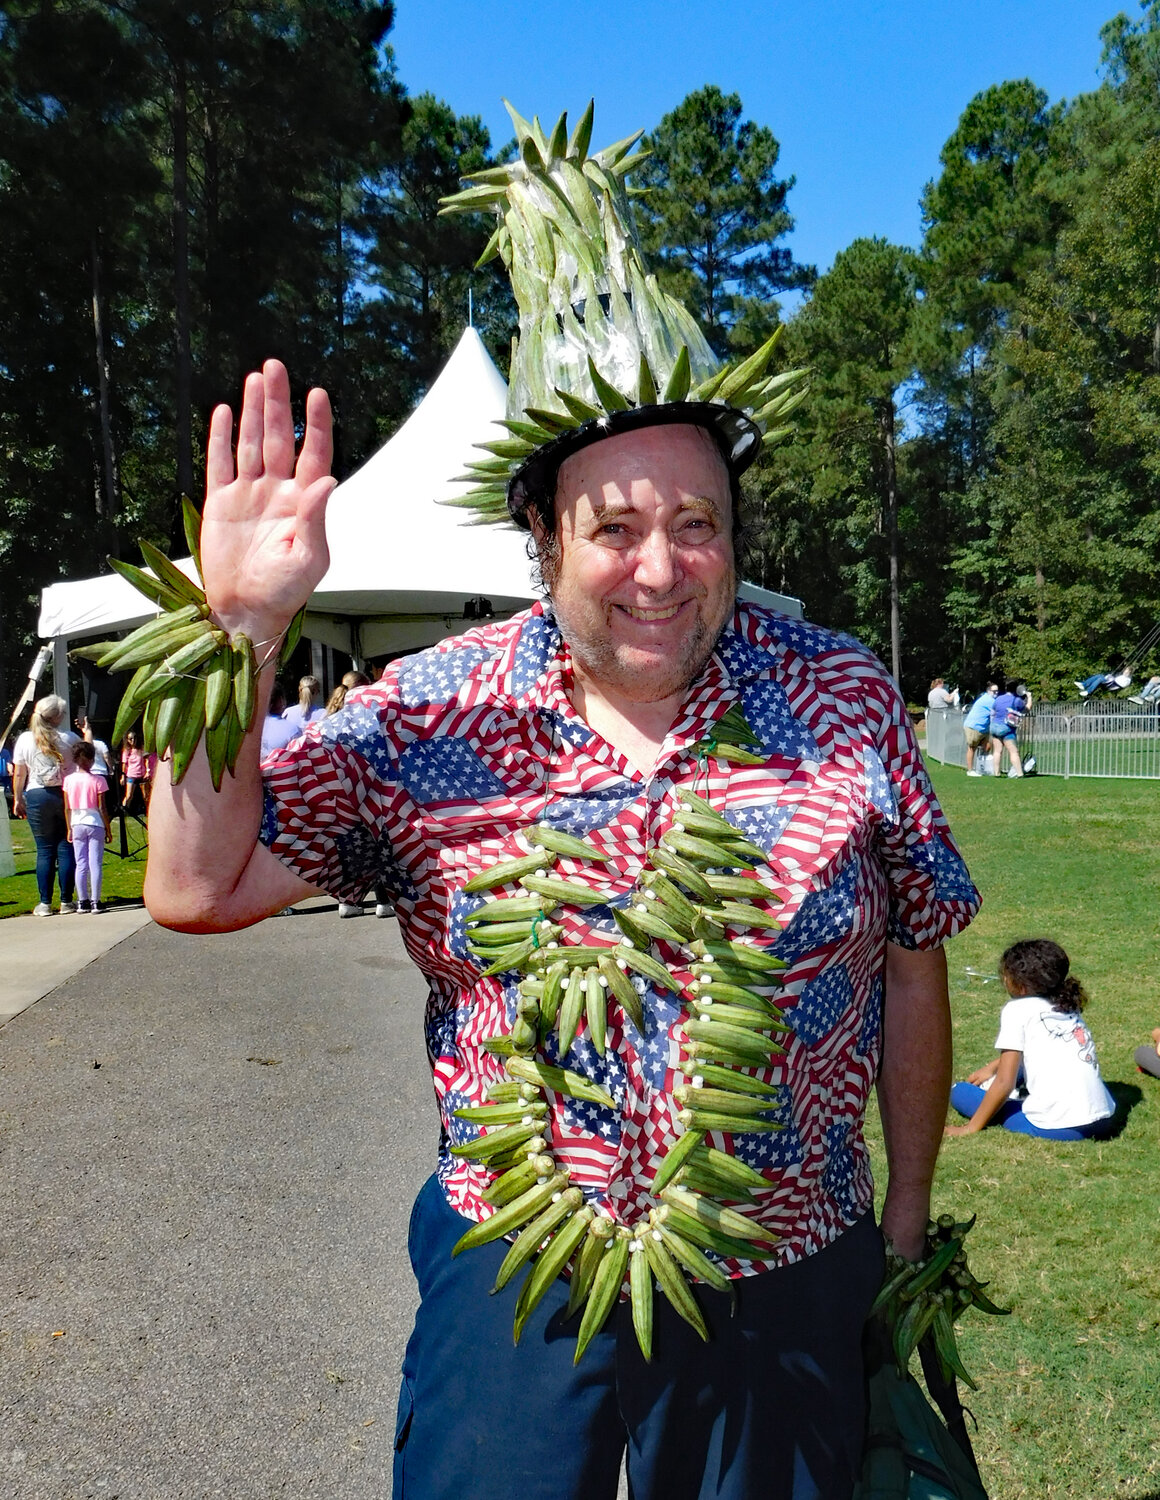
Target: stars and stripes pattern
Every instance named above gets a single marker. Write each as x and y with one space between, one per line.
431 775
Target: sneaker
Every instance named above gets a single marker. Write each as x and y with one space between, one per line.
349 909
974 773
67 908
1138 700
384 909
84 907
98 908
1013 774
42 910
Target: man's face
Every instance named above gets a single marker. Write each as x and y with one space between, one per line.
645 579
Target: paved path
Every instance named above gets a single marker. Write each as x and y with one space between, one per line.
208 1151
39 953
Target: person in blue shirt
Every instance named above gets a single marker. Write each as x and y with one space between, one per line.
977 726
1006 711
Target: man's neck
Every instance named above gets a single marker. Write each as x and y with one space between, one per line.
637 730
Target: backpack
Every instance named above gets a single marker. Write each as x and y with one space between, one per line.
909 1453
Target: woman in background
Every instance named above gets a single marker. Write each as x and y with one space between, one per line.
309 706
42 758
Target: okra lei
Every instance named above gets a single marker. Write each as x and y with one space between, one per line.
699 885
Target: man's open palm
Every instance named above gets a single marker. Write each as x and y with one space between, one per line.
263 538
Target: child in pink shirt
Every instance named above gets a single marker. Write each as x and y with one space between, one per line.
87 825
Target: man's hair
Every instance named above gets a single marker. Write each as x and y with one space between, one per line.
543 541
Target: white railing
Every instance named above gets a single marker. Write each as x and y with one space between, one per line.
1108 737
945 739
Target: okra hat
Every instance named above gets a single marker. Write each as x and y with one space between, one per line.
601 349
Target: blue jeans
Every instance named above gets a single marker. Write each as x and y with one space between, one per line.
773 1405
44 806
966 1098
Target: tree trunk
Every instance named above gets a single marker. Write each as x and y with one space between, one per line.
339 379
183 373
108 493
1040 605
890 517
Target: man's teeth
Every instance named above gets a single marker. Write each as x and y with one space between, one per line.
651 614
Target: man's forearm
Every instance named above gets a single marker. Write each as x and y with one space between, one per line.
207 872
913 1087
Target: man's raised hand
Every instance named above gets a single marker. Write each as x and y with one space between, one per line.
263 537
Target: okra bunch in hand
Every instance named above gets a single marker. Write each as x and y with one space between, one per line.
925 1297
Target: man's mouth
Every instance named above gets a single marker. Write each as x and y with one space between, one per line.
652 615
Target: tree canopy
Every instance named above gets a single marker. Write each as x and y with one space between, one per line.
973 485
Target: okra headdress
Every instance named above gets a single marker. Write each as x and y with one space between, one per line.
601 348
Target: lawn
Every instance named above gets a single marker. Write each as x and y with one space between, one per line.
121 881
1067 1233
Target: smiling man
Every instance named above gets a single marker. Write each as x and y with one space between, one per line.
637 556
591 714
676 878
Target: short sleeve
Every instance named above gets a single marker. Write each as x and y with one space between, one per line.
1012 1028
328 800
932 896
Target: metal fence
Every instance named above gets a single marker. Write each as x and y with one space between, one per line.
945 739
1109 737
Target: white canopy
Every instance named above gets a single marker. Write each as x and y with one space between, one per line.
404 572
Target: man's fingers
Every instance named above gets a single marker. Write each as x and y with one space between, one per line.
278 421
250 428
310 522
219 453
314 461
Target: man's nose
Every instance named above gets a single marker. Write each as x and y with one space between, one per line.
658 565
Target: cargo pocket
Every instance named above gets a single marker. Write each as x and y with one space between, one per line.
402 1431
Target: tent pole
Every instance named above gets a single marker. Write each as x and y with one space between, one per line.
60 672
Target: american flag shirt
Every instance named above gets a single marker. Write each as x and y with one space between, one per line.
429 776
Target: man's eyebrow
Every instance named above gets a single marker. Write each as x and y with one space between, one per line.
612 510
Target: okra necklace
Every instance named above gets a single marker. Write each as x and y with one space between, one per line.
691 894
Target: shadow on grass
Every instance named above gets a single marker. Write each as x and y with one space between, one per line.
1127 1096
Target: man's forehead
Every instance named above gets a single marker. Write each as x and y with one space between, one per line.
678 461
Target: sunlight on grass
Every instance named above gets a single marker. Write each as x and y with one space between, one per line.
1067 1232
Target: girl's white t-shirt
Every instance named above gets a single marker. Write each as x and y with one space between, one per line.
44 770
1064 1087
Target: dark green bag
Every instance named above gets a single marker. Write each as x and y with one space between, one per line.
909 1453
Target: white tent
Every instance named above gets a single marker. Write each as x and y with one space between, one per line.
404 571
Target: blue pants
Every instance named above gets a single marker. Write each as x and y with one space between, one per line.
44 806
966 1098
773 1405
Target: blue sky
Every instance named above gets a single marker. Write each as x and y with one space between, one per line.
861 95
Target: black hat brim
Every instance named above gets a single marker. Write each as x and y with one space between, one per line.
737 437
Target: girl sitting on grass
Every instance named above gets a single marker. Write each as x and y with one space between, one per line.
1042 1035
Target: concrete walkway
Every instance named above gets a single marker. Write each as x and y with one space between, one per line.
39 953
208 1152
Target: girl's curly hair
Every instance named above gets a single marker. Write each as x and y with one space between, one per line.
1038 966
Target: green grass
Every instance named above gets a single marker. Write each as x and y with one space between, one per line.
121 881
1067 1233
